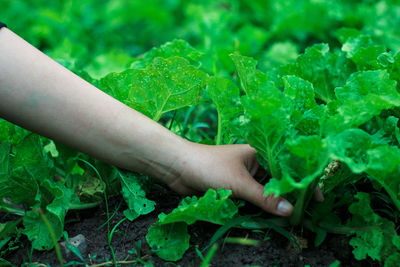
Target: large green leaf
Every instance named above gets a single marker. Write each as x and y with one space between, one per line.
165 85
215 207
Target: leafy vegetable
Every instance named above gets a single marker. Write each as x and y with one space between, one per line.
214 206
165 85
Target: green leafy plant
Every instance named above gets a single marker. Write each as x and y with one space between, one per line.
317 113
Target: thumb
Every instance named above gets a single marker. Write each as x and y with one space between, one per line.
253 192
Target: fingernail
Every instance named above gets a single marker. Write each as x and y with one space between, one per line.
284 207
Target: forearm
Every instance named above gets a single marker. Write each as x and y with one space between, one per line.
39 94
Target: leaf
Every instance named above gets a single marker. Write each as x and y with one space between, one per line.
169 241
37 231
8 228
266 124
52 149
214 206
5 149
370 58
169 234
376 243
300 92
395 68
364 53
306 156
385 130
363 83
279 53
29 159
302 161
176 48
384 167
391 128
226 98
344 34
354 42
251 79
350 147
336 263
358 150
165 85
393 260
11 132
325 70
305 113
19 186
135 196
35 228
364 96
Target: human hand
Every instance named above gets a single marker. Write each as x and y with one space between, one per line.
230 167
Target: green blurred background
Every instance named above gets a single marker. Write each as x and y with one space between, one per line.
100 36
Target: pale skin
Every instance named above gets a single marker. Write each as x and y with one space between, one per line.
40 95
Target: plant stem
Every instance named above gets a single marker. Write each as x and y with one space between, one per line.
10 209
84 206
209 256
219 133
302 202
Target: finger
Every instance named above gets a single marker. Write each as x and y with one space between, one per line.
254 167
254 193
249 159
318 194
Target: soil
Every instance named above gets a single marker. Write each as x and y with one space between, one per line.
276 250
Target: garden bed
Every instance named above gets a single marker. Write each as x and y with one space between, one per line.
276 250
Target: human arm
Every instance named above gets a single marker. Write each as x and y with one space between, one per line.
39 94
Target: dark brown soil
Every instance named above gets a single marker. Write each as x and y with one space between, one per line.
275 251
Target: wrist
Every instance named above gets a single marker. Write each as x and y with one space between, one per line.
154 150
167 158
